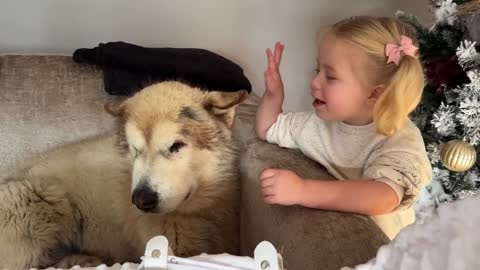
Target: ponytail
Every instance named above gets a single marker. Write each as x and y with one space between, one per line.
400 98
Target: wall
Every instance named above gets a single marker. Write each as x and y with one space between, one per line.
240 30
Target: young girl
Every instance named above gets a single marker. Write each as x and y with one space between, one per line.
369 79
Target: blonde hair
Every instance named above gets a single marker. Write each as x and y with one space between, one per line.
403 83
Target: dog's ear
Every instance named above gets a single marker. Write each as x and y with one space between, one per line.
115 108
222 104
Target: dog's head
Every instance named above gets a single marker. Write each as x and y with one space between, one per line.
179 141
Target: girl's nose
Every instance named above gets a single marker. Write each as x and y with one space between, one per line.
316 83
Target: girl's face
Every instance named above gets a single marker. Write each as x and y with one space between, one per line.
341 88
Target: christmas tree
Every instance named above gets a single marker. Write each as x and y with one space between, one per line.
449 114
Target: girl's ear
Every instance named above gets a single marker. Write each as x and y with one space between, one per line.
375 94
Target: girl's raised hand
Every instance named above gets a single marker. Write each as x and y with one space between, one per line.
273 79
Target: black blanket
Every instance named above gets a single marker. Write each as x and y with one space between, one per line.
128 68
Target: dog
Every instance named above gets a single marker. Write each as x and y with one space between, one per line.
170 169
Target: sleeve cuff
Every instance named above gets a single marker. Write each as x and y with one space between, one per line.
396 187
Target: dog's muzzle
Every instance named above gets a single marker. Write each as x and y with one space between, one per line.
145 198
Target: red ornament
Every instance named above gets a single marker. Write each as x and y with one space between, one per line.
445 71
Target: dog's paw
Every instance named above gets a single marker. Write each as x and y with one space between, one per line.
78 259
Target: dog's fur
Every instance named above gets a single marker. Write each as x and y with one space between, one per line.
73 205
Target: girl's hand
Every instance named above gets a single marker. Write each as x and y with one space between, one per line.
281 187
273 79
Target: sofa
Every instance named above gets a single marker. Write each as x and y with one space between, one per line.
48 100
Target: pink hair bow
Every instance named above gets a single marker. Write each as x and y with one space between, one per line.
393 51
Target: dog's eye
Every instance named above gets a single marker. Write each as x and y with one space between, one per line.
136 151
175 147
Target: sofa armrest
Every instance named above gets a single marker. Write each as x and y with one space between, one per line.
307 238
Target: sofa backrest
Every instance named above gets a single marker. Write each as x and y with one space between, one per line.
46 101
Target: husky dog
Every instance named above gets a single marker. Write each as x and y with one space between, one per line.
171 169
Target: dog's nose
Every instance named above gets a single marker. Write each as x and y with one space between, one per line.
145 198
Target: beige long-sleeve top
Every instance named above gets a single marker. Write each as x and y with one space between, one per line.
358 152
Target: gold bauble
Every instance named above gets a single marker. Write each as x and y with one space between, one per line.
458 156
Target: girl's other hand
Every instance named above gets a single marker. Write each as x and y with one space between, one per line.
281 187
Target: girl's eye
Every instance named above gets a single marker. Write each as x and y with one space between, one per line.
317 70
176 146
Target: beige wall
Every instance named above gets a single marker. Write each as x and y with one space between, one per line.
238 29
